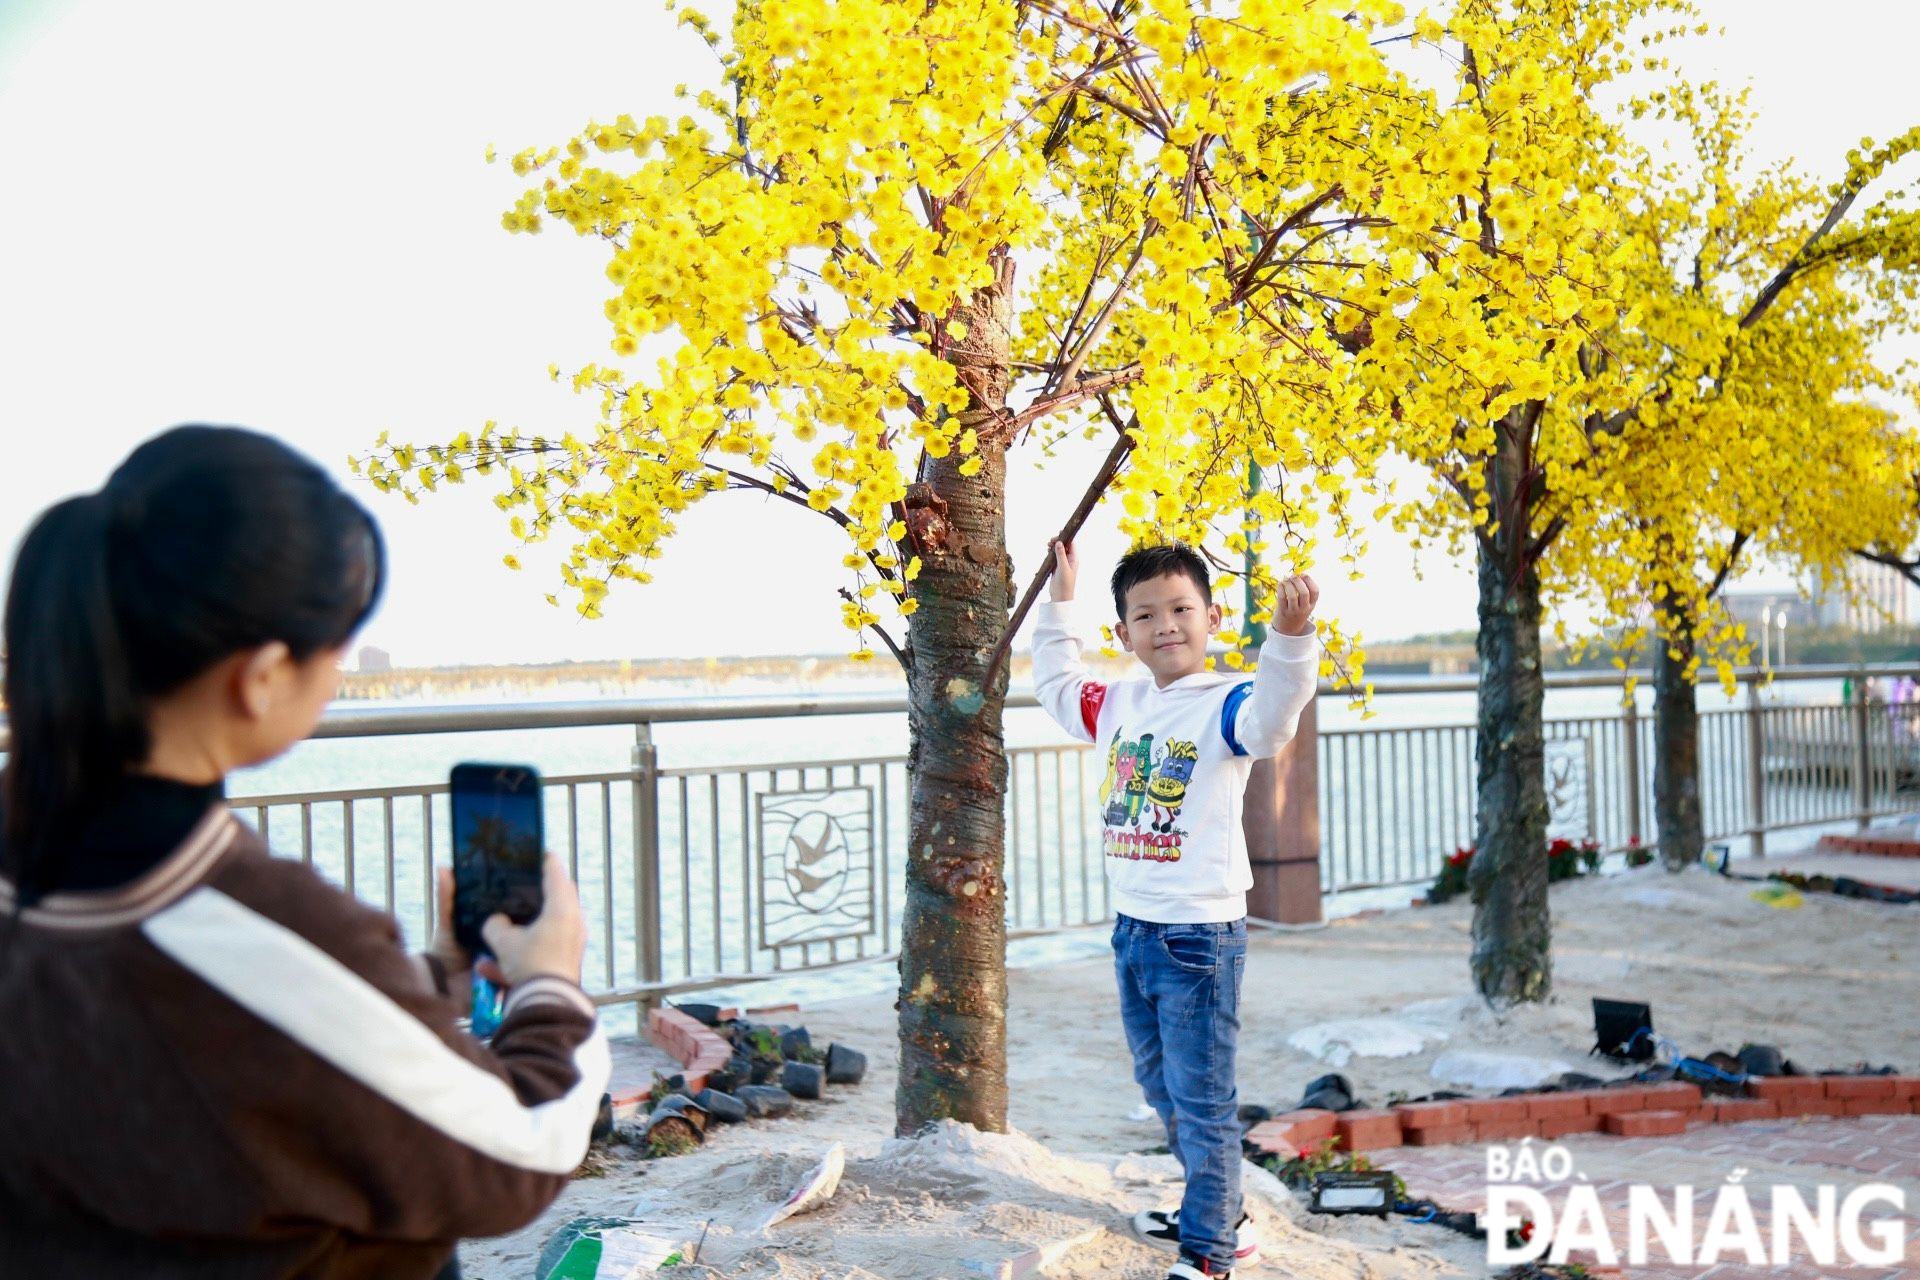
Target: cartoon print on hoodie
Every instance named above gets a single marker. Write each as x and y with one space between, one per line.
1168 789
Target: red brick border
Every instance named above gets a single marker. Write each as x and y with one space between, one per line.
691 1042
1364 1130
1879 845
1294 1131
1632 1110
1646 1124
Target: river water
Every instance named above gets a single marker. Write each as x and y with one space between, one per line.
715 898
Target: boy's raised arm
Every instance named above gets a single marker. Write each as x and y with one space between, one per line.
1267 715
1059 677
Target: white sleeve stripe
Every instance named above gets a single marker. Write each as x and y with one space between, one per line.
549 990
294 986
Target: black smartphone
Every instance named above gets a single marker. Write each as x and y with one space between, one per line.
498 847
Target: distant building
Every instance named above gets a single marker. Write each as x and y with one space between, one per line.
374 659
1885 602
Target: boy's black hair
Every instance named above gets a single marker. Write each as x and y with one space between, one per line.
1143 564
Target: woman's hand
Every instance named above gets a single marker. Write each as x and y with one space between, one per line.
550 945
455 965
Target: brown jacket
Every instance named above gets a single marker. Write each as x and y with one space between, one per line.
229 1068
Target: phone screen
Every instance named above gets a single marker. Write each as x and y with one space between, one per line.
498 847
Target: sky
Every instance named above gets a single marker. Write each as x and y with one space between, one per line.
279 215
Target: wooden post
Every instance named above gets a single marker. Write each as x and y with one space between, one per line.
1281 820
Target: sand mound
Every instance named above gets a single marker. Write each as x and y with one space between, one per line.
956 1203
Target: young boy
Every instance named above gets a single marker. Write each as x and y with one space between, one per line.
1179 747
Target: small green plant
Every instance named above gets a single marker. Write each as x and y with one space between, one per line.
1569 861
670 1140
1566 860
1452 880
1325 1156
662 1088
1638 855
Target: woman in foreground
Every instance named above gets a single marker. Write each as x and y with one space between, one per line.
212 1062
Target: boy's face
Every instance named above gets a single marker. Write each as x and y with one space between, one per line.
1166 626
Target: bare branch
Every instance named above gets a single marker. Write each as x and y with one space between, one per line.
1909 569
1097 327
1109 468
1083 390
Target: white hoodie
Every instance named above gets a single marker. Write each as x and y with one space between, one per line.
1177 766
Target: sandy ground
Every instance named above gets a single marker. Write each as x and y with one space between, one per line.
1381 998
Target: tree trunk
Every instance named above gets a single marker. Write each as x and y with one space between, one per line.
1512 958
953 980
1676 750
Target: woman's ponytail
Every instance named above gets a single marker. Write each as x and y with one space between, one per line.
73 714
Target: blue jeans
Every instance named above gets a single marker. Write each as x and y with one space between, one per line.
1180 1004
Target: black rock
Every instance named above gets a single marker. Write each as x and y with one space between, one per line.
602 1119
706 1014
671 1086
844 1065
1328 1093
794 1042
680 1105
1578 1080
803 1079
725 1080
1762 1060
692 1120
765 1100
721 1105
764 1070
1251 1115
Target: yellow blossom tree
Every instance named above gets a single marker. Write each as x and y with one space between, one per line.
1597 481
1516 435
814 297
1757 310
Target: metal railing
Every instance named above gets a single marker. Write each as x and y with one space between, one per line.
1394 801
697 876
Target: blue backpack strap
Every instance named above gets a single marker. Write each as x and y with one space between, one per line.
1230 712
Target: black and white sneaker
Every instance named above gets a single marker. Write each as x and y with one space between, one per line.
1192 1268
1162 1227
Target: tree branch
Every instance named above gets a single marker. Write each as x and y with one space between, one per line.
1909 569
794 493
1770 292
1081 391
899 655
1096 327
1109 468
1726 568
